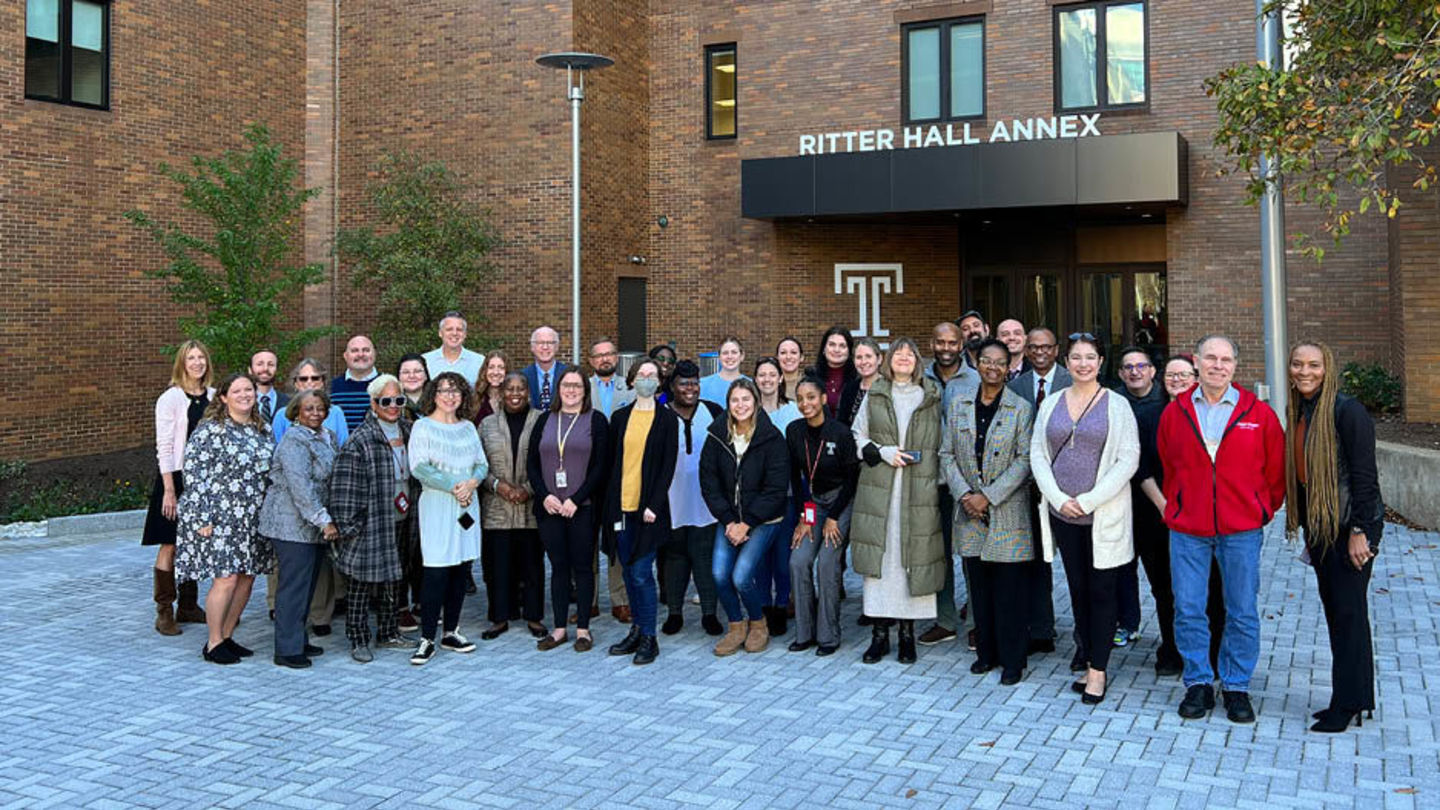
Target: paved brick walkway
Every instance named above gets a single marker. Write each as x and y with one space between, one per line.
98 711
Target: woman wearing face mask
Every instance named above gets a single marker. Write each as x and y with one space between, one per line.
791 359
868 359
744 472
985 459
715 387
774 572
413 375
836 368
1333 491
895 540
823 467
511 554
488 388
1083 450
644 438
177 413
568 458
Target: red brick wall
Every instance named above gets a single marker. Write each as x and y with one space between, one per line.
81 326
1415 241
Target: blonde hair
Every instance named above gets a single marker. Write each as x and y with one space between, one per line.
179 376
1322 465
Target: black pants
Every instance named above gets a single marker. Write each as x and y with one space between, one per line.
442 587
1343 593
514 564
1092 592
998 595
411 563
1152 544
691 551
1040 604
570 545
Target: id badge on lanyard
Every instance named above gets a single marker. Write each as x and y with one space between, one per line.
560 479
808 513
402 503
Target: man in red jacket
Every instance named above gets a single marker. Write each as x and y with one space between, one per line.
1223 452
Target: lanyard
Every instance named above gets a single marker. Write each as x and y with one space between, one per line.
560 438
810 482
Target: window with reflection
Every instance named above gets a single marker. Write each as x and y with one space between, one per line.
67 51
720 92
943 70
1100 55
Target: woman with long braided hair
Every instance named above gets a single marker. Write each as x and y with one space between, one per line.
1333 492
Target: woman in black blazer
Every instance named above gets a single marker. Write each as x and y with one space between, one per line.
568 459
643 438
1333 493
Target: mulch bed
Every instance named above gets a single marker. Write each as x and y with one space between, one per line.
97 473
1392 428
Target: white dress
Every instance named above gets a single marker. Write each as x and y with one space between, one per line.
888 597
442 456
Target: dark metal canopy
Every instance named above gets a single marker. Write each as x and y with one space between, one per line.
1107 170
577 61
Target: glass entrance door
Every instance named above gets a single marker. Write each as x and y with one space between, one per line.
1124 307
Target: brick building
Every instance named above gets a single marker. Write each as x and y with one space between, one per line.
755 132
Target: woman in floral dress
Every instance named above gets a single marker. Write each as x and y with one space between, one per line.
226 463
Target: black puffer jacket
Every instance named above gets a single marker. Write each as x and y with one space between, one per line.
752 491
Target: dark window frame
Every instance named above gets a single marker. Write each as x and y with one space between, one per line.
66 96
944 25
1101 58
710 52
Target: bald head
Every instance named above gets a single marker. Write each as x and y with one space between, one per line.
1040 350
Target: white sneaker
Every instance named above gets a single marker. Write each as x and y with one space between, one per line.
424 651
454 642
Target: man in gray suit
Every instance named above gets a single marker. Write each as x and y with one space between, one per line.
1043 378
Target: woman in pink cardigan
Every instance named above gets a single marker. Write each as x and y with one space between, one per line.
176 413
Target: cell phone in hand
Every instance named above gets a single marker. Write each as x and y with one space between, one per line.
913 456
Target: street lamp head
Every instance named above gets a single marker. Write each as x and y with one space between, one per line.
575 61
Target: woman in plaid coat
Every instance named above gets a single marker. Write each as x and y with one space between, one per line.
985 459
372 499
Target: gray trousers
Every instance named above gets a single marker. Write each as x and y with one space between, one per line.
329 585
299 570
805 575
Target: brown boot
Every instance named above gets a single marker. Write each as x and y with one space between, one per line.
189 610
759 637
733 639
165 603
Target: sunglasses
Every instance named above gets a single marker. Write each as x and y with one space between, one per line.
309 378
1079 335
390 402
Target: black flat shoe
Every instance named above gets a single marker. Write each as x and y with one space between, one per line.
1092 700
673 624
237 648
537 629
800 646
824 650
292 661
1011 677
1238 708
980 667
495 631
321 630
712 625
1078 687
312 651
219 655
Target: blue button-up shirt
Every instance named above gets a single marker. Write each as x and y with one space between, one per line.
1214 418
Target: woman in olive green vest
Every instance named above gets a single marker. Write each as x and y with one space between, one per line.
895 540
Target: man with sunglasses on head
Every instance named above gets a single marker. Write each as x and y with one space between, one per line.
1043 378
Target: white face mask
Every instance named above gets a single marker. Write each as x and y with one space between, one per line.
646 386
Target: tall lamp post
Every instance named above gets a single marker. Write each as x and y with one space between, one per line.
575 65
1272 231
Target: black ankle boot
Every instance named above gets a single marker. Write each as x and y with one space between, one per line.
775 621
906 655
879 642
629 645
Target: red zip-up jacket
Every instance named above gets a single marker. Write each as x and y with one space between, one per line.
1242 488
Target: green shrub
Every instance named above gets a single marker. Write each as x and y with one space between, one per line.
62 498
1376 388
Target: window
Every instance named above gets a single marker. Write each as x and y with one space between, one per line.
1100 56
720 91
943 70
67 51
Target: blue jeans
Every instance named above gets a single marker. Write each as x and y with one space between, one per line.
639 576
774 569
1239 558
735 569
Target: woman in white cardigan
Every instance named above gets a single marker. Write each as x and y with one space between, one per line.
1084 448
177 411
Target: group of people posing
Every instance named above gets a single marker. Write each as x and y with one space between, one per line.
379 491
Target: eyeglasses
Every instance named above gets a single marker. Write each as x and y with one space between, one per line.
1042 347
1179 375
396 402
1134 368
544 343
309 378
989 362
573 385
441 392
687 382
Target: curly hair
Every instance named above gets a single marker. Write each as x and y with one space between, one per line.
218 411
467 395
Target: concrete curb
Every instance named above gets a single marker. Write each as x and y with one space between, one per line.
1410 481
95 524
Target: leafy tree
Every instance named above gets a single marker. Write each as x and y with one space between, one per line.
239 275
431 254
1357 102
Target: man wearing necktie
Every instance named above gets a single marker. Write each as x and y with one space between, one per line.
269 399
542 374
